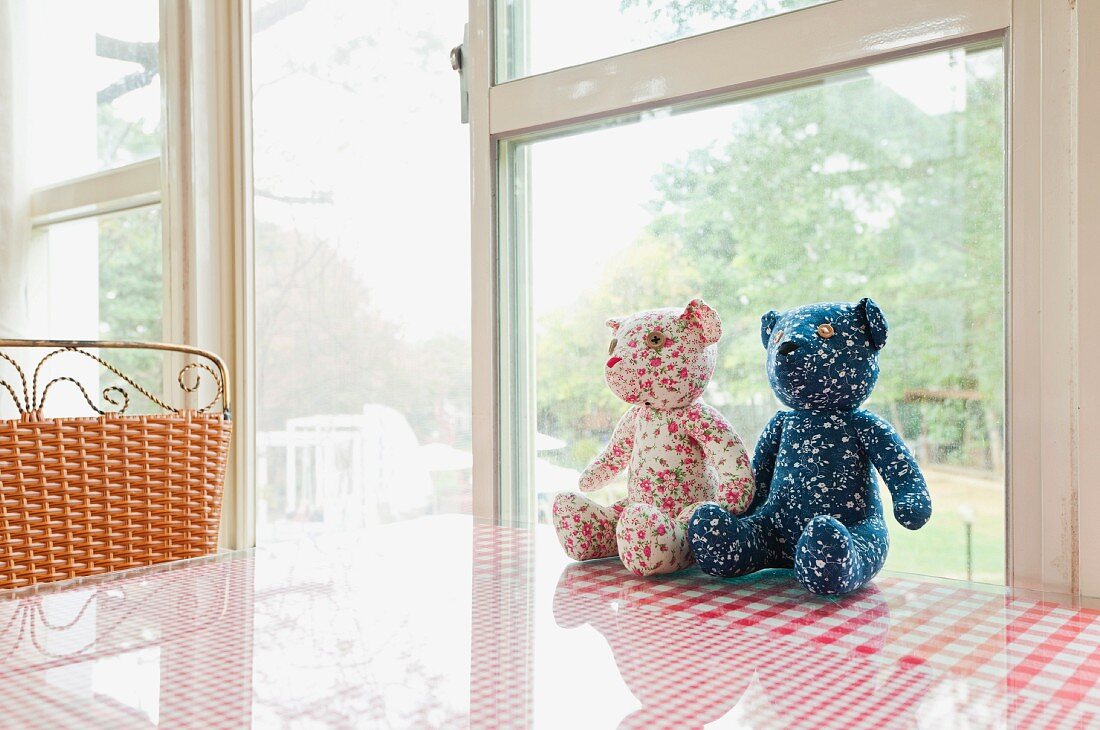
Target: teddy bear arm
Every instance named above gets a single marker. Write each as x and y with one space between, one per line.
763 458
899 470
725 451
615 456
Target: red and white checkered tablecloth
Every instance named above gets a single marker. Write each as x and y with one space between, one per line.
440 623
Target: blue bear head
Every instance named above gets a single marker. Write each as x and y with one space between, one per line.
824 356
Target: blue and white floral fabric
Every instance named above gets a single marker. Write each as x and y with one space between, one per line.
816 506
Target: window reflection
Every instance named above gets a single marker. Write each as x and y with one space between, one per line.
885 181
362 266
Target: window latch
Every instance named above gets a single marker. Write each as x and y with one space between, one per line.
458 64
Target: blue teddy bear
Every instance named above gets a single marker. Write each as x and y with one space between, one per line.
816 507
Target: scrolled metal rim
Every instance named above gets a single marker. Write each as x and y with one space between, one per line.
33 401
198 381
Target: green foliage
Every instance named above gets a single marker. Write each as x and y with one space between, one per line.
832 191
683 15
120 141
322 348
131 279
131 295
939 548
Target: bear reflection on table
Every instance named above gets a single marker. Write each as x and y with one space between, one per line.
688 668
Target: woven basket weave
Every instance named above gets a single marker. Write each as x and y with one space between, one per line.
86 495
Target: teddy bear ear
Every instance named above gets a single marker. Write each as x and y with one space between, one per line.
767 324
876 322
615 323
699 313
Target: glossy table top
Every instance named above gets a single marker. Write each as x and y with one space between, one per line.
439 622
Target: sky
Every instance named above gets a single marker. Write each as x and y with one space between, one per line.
382 137
64 75
396 157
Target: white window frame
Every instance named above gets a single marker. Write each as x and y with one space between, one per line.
159 180
118 189
202 182
1051 52
209 194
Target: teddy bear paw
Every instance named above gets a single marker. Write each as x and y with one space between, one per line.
828 561
650 542
913 511
584 529
721 542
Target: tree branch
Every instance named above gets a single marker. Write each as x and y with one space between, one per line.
274 12
128 83
316 198
143 52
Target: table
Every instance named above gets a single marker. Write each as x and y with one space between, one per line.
445 622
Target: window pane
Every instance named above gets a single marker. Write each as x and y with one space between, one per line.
362 265
885 182
102 278
93 80
535 36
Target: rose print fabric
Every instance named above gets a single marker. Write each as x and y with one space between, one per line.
817 507
679 451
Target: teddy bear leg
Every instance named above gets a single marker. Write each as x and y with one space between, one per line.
651 542
831 559
586 530
726 545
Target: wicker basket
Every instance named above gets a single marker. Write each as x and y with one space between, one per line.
86 495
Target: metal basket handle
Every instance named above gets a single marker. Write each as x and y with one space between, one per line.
33 400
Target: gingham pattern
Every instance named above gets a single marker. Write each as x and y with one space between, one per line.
339 632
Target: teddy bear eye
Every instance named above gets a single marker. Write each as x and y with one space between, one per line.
611 349
825 331
655 340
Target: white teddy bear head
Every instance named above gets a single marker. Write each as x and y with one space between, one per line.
663 358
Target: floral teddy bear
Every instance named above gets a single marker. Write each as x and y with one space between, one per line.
817 507
680 451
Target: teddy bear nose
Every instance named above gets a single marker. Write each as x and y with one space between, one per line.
788 347
613 362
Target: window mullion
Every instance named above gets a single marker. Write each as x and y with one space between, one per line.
761 53
1088 263
121 188
484 333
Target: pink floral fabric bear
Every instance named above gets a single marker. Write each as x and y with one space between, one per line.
680 451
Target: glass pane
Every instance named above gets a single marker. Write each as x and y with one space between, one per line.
93 80
362 265
102 278
535 36
885 182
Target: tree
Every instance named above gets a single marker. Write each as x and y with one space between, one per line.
830 191
321 348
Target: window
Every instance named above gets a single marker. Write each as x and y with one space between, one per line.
346 132
104 279
884 181
94 85
361 266
543 35
574 164
94 123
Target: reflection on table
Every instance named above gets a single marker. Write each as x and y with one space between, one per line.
441 622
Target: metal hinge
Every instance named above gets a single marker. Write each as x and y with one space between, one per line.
458 64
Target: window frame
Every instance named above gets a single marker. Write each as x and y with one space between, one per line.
136 185
122 188
1047 345
202 183
210 236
